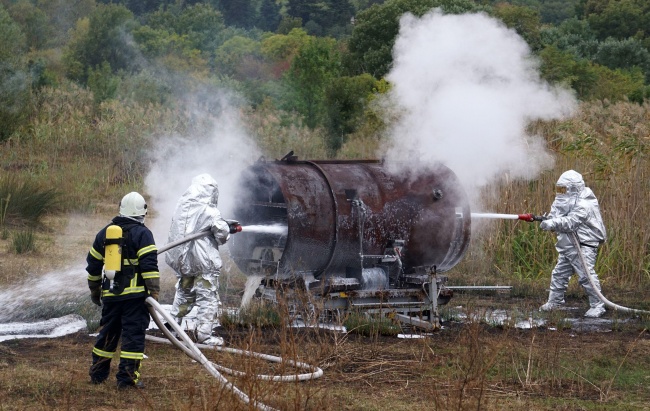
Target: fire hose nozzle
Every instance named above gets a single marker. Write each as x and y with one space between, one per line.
531 217
234 225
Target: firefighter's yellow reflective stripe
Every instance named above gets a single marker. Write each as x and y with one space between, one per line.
130 262
128 290
147 249
151 274
102 353
132 355
94 277
95 254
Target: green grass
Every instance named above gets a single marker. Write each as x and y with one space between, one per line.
23 241
370 326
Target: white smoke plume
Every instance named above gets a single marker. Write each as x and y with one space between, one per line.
468 86
223 153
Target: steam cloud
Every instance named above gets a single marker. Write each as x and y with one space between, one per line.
224 153
468 86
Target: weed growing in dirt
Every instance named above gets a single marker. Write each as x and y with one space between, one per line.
23 241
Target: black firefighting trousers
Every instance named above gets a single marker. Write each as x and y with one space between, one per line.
129 320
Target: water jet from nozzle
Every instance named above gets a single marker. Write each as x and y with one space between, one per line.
526 217
266 229
496 216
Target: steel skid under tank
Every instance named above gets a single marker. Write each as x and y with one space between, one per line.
356 235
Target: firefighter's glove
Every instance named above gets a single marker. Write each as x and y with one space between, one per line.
546 225
153 295
96 296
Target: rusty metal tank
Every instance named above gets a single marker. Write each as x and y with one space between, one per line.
341 216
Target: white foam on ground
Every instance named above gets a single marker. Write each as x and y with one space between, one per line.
52 328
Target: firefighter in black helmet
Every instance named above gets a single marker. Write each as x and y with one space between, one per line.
122 293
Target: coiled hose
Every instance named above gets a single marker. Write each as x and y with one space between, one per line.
615 307
193 351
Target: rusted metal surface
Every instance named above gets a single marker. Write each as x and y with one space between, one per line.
337 211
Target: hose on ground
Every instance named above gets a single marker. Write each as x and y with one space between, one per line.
615 307
193 352
186 345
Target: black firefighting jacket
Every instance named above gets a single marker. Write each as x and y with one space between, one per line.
139 275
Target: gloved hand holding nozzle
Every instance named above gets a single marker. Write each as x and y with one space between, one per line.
532 217
234 225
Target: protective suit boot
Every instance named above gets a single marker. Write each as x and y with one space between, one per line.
208 339
555 301
597 307
595 312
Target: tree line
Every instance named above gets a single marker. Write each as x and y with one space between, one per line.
324 60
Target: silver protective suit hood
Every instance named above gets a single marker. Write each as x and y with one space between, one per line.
576 210
568 189
196 211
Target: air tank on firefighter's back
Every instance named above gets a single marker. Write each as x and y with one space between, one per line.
337 211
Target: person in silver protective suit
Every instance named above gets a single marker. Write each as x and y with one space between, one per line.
575 210
197 263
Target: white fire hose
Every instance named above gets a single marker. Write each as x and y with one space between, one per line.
185 344
615 307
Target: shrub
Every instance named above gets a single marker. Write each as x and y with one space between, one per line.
24 202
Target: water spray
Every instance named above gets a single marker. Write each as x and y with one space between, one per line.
235 227
525 217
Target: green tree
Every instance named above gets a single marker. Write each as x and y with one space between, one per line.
140 7
288 23
14 79
171 51
312 69
619 19
590 80
574 36
624 54
556 11
562 67
321 16
524 20
104 37
282 47
33 22
240 57
239 13
346 99
269 16
63 16
202 24
102 83
375 30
